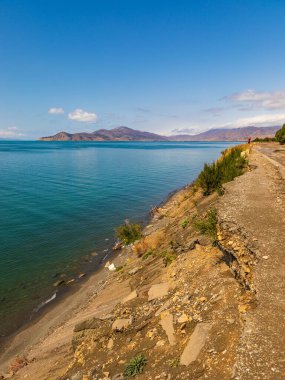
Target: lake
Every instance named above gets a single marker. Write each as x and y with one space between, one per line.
60 202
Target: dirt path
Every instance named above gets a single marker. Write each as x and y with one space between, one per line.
256 203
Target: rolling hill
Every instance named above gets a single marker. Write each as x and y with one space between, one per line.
129 134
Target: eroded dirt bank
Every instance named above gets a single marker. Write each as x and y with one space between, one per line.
191 309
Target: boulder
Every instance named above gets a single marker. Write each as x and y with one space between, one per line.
121 324
167 325
195 344
158 291
130 297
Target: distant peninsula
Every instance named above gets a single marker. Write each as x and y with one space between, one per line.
129 134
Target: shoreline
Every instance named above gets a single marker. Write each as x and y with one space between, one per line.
14 343
54 314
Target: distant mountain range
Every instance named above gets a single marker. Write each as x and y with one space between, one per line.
129 134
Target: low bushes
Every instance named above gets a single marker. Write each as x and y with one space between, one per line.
208 224
129 232
229 166
265 139
280 135
135 366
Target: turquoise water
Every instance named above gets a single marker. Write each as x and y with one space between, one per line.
60 201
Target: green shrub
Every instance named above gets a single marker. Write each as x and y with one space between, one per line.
265 139
135 366
129 232
168 258
208 224
229 166
147 254
185 223
280 135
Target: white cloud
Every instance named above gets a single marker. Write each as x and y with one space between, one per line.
56 110
258 99
10 132
80 115
260 120
265 120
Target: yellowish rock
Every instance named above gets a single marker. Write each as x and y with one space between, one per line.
183 318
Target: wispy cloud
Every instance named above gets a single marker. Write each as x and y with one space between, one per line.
143 110
259 120
10 132
56 110
187 131
214 111
258 99
80 115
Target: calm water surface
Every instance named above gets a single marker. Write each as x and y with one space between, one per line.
60 201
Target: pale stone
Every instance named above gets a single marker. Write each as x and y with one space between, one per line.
121 324
183 318
134 270
195 343
107 264
158 291
167 325
112 268
110 344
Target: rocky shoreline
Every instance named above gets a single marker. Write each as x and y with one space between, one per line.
180 304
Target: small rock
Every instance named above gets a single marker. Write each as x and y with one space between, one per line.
110 344
117 246
265 257
121 324
107 264
230 321
160 343
242 309
112 267
59 283
183 318
77 376
81 275
134 270
118 376
183 325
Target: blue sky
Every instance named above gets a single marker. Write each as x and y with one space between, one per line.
162 66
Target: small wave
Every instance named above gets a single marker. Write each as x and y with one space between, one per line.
42 304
